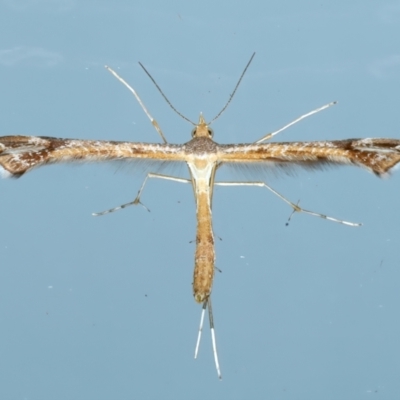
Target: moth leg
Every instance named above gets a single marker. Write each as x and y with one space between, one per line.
133 91
137 201
272 134
207 304
296 207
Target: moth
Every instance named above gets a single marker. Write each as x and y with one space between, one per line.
203 156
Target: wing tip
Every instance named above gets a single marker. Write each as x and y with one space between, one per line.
387 174
4 174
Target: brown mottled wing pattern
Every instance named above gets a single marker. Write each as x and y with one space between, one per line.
19 154
376 155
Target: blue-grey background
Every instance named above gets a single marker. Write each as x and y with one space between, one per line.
102 308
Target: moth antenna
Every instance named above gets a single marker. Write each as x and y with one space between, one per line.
163 95
234 90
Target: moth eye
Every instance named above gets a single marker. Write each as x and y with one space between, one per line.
194 130
210 132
